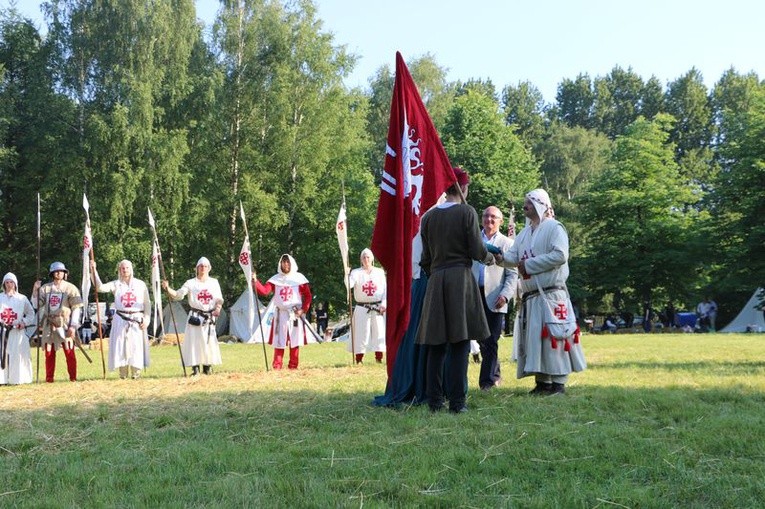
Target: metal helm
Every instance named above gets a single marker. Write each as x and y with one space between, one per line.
56 266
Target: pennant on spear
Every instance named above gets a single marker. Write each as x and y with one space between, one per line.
341 228
157 319
245 262
163 276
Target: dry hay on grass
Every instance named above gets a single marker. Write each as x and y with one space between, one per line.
168 339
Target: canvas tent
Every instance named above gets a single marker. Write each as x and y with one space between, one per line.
240 313
749 319
180 314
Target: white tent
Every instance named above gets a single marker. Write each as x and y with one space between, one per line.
178 313
749 319
240 316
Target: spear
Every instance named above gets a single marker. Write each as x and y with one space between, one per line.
88 233
341 228
39 336
257 302
162 271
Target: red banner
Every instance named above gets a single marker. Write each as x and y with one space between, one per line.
416 172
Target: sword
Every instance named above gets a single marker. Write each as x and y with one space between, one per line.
76 340
5 331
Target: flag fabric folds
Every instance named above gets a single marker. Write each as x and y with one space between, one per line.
416 172
245 262
156 290
87 245
341 228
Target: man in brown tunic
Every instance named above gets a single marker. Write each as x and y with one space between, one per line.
452 312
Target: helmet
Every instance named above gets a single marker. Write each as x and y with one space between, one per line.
56 266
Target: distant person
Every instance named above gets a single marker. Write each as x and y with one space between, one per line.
609 324
322 318
704 312
669 315
712 314
369 292
541 253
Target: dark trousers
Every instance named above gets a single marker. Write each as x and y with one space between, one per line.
490 374
455 374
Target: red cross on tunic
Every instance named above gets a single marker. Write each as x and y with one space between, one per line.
285 293
204 297
8 316
560 311
86 242
55 301
341 226
128 299
369 288
244 258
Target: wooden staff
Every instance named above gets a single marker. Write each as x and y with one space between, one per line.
164 278
255 274
101 338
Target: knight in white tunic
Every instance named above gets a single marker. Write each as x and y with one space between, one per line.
128 338
200 343
541 254
369 292
16 313
292 298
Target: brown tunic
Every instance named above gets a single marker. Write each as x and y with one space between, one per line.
452 310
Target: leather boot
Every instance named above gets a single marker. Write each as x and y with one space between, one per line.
294 358
71 363
206 369
50 363
379 357
194 370
359 358
123 372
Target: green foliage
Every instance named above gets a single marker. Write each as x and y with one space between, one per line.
638 218
476 138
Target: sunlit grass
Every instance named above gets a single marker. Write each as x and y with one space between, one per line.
656 421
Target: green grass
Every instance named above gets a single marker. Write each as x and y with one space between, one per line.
656 421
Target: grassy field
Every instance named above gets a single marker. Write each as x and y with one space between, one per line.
656 421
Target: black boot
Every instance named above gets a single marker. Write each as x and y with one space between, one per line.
194 370
557 389
207 369
541 389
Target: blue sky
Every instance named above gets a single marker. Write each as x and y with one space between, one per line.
541 41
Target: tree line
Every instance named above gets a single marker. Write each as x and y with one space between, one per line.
140 105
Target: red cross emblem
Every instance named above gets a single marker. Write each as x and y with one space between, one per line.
8 316
369 288
128 299
341 226
86 242
560 311
154 260
55 301
244 258
285 293
204 297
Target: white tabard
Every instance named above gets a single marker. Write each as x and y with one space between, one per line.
16 309
200 343
128 343
369 292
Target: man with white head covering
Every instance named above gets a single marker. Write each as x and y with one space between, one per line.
369 292
16 313
540 253
59 305
205 299
128 337
292 298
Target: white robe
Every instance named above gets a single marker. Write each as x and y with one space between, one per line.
545 251
200 343
15 309
368 325
128 343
